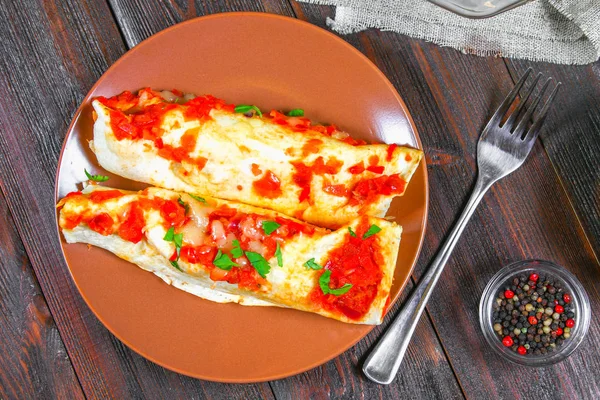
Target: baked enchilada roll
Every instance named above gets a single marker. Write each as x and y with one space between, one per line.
231 252
315 173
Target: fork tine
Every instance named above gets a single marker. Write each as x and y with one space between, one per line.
497 117
534 131
511 122
518 133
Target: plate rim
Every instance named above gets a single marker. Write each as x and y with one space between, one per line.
85 101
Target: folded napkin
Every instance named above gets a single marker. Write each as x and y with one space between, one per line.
557 31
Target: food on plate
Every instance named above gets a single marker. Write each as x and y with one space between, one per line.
231 252
315 173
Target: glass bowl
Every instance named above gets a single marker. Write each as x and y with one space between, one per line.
503 280
478 8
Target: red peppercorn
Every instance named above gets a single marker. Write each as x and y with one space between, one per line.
522 350
570 323
532 320
567 298
507 341
534 277
555 302
559 309
559 331
509 294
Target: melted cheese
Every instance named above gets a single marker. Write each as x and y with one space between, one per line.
288 286
231 143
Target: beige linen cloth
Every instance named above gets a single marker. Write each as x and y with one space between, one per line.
556 31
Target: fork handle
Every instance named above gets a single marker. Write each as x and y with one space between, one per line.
382 364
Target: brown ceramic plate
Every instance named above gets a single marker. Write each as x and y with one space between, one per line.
273 62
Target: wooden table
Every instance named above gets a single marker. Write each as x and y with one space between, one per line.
51 345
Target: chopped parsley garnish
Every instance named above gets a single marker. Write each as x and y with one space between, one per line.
176 265
312 264
324 284
373 229
296 112
243 108
259 263
237 251
279 256
351 232
176 238
185 205
200 199
223 261
95 178
270 226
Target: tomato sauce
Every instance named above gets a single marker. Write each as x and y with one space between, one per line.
377 169
335 190
357 168
140 117
303 174
356 262
311 146
302 177
368 190
256 171
102 223
99 196
246 228
173 213
131 228
268 186
302 124
390 151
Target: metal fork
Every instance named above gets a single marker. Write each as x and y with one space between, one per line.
502 148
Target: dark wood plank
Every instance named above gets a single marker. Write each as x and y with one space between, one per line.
572 137
35 363
526 215
339 377
451 96
52 54
426 373
140 19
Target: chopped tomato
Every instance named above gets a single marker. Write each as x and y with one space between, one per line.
268 186
367 190
302 177
256 171
98 196
378 169
72 220
131 228
173 213
356 262
336 190
102 223
390 151
198 254
357 168
311 146
332 166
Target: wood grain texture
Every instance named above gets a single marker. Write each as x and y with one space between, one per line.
572 137
451 96
426 373
139 20
34 361
526 215
53 53
340 377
